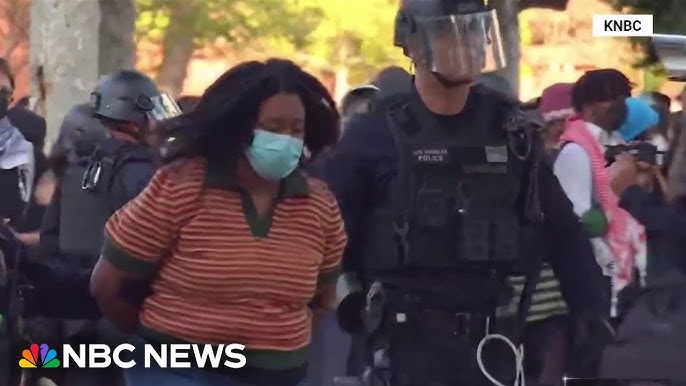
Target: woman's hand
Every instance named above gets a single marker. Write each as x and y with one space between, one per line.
118 294
323 302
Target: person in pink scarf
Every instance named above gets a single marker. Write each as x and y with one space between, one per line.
618 239
555 106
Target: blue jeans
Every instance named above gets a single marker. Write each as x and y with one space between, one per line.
176 377
156 376
140 376
329 352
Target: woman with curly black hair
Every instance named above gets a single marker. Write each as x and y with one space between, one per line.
231 242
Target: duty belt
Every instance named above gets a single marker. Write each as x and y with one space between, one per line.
472 325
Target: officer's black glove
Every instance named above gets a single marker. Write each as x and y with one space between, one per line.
349 312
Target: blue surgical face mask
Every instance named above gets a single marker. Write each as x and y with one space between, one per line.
274 156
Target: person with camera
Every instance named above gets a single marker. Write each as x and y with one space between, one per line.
661 308
656 323
638 179
598 100
634 182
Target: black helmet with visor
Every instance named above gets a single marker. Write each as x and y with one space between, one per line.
456 40
130 96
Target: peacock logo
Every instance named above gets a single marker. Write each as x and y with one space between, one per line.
30 358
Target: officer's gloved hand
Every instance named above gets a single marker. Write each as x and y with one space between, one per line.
349 312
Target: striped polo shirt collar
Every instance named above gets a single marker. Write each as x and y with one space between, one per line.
219 177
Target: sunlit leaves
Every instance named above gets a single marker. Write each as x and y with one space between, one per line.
237 21
358 35
355 34
668 17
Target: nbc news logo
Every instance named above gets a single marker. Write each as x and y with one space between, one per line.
100 356
39 357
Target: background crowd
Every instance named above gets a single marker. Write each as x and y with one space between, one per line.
584 126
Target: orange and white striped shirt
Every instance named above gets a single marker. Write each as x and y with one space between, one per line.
223 274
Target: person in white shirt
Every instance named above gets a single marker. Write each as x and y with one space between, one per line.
600 99
598 96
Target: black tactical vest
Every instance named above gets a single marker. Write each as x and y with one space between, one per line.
456 201
90 193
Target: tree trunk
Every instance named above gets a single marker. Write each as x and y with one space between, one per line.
177 49
508 11
72 46
117 47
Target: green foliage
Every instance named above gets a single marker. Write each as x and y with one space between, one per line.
239 22
525 71
653 79
526 35
356 35
668 17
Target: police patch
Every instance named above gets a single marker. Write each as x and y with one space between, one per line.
432 156
496 154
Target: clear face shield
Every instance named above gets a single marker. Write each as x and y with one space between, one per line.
458 47
163 107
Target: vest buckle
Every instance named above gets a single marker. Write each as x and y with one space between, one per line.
91 177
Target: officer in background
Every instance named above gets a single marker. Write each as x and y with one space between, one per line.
116 169
103 173
356 100
445 191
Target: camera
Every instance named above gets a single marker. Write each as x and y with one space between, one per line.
642 151
671 50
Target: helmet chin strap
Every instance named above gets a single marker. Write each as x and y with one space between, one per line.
450 83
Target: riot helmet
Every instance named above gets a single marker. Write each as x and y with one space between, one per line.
456 40
357 100
129 96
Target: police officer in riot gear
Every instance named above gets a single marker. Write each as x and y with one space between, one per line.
116 169
108 163
445 191
101 176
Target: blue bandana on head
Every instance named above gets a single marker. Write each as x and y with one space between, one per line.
639 118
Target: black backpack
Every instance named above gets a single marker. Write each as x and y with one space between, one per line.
91 191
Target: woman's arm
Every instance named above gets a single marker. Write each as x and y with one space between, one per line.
323 302
119 294
138 237
335 240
